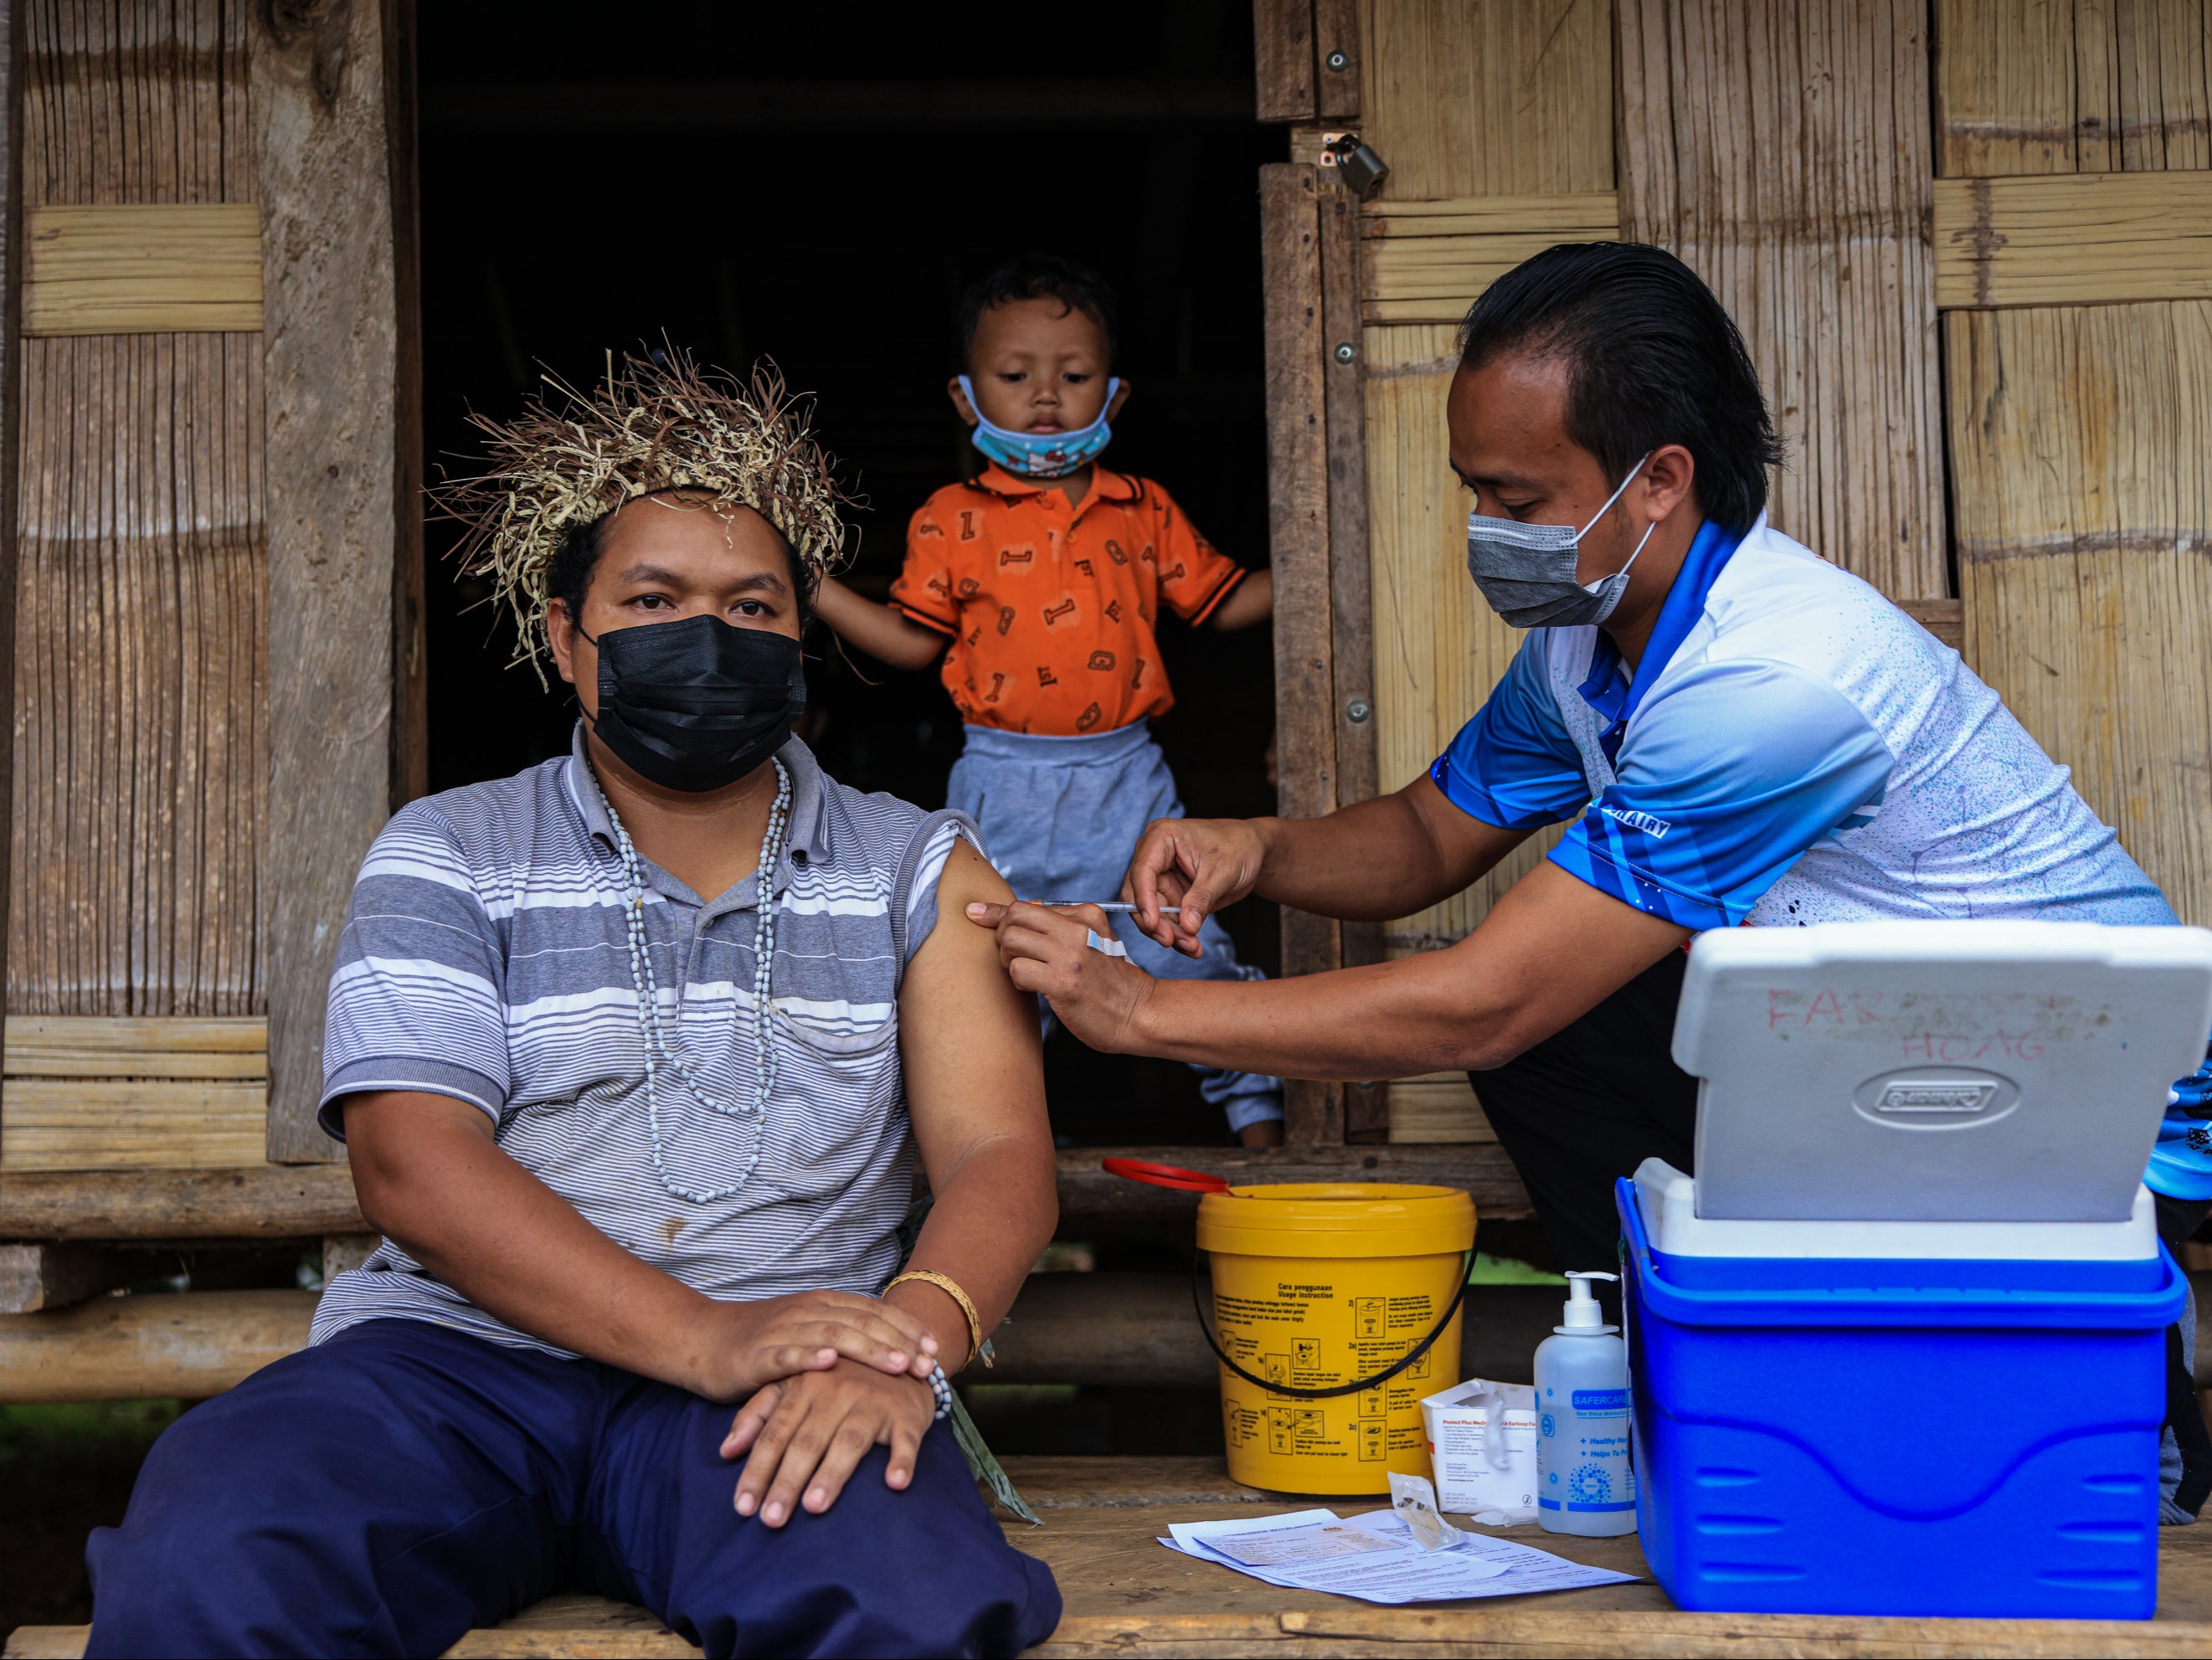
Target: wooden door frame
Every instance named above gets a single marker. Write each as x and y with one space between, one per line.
333 102
1306 55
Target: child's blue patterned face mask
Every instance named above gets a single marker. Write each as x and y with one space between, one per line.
1042 454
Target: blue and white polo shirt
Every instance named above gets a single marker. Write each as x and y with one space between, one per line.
1794 749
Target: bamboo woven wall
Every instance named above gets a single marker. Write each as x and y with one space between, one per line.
1781 149
141 683
1464 99
2083 481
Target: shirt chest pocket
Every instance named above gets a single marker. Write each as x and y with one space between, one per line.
852 1037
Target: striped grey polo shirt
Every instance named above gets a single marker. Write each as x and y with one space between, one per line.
486 959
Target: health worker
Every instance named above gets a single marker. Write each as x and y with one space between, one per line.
1733 729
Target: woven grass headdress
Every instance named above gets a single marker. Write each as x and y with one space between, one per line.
571 458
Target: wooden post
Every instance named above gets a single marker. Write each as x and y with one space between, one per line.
1336 60
1299 538
1366 1106
332 358
410 667
11 314
1283 54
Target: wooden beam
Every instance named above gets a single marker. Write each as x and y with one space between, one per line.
143 269
1439 1109
1298 544
2073 239
1565 215
1283 59
1127 1331
12 54
194 1344
332 363
410 662
1088 1193
36 1277
1944 618
263 1201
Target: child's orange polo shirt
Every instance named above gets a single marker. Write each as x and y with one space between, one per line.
1050 607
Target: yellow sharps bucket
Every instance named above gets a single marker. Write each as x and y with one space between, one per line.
1337 1306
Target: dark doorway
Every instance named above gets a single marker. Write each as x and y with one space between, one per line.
817 185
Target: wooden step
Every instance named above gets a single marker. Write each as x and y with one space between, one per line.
297 1201
1125 1596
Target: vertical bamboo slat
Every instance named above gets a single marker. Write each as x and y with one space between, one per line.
1463 99
1781 149
2083 484
141 750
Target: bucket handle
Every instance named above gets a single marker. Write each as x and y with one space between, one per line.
1198 1307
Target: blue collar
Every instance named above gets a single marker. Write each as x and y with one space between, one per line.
1608 688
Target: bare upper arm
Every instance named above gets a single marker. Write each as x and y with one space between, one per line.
968 1038
1465 848
387 1129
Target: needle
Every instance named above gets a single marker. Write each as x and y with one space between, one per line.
1114 905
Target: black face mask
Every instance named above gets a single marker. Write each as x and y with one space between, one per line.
697 704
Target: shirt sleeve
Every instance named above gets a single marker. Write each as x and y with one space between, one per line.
1514 765
923 590
1195 576
1725 781
416 998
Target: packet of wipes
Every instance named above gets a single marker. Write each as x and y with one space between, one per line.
1482 1446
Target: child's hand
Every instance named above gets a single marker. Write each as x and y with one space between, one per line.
1184 870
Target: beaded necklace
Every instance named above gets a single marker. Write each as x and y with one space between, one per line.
657 1049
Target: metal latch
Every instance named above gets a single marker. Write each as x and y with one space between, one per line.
1356 163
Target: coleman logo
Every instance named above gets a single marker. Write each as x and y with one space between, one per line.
1936 1095
1654 828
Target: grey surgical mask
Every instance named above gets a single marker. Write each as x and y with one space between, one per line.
1527 572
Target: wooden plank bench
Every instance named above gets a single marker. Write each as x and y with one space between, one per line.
1125 1596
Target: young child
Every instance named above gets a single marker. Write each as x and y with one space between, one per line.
1039 583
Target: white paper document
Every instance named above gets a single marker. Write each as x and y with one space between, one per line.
1376 1559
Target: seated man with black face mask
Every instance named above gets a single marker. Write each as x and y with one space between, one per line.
634 1053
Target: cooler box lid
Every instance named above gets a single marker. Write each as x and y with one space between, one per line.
1936 1071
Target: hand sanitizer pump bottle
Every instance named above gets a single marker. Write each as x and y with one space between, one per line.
1583 1481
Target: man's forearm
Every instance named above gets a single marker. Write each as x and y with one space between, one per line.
994 1215
515 1247
1375 861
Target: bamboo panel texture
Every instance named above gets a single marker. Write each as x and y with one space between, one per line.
1488 97
2082 487
1427 262
2084 238
1436 1110
90 1093
141 686
150 268
2071 86
2084 496
1468 100
1781 149
1438 648
140 677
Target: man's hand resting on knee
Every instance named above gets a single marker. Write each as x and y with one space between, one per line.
806 1435
758 1343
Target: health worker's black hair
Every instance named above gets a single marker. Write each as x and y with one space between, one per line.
1042 276
1652 359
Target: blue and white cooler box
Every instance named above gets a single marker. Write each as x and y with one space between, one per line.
1900 1348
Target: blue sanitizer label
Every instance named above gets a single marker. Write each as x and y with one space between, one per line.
1601 1403
1583 1452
